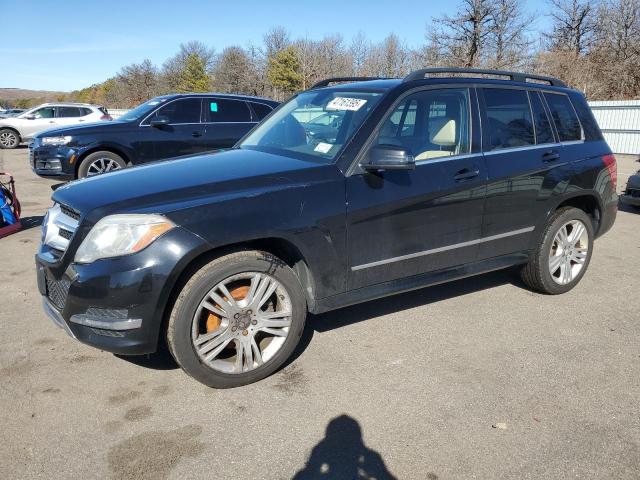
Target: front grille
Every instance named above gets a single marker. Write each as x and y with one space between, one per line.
57 290
60 226
70 212
65 233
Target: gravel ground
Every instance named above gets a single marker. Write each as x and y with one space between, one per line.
478 378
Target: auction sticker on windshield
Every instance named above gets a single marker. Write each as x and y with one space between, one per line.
344 103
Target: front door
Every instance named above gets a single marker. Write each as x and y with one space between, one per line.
226 121
41 119
181 135
403 223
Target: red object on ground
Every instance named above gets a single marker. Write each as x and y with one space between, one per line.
15 206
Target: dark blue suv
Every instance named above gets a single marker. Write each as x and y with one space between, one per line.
346 193
162 128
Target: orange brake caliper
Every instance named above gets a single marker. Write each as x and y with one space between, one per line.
213 320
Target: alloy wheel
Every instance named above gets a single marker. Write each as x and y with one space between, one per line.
102 165
242 322
569 251
8 139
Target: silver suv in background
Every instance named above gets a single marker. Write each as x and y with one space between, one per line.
21 128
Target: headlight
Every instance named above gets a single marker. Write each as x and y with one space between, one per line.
118 235
55 140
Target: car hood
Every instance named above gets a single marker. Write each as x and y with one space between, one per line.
163 187
85 128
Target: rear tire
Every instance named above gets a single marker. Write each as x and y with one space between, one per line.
101 162
563 254
9 139
192 338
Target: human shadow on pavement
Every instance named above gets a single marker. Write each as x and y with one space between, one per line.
342 454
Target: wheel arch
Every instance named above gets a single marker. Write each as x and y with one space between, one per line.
101 148
13 129
277 246
588 203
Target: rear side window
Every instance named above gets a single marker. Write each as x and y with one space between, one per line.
544 133
261 110
509 118
220 110
85 111
66 112
564 116
181 111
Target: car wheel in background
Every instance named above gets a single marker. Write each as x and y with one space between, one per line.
237 319
9 138
562 257
100 162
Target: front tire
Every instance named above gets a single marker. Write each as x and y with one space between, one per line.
101 162
561 258
237 319
9 138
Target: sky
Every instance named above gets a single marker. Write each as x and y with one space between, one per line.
71 44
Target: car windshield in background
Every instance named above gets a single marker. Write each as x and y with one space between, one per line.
315 124
142 109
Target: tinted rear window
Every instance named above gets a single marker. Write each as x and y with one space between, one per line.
180 111
225 110
66 112
509 116
564 116
261 110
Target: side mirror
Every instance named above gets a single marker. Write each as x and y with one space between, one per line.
31 116
159 122
389 157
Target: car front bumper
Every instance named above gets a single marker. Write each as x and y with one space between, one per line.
116 304
51 161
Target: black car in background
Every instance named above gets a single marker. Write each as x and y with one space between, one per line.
162 128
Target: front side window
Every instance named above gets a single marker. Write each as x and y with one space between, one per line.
544 134
564 116
45 112
221 110
261 110
509 118
66 112
186 110
429 124
315 124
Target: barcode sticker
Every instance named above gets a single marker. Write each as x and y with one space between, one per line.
344 103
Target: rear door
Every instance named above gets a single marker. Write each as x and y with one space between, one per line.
403 223
68 115
525 164
182 135
226 121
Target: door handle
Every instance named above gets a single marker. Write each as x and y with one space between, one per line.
550 156
196 134
466 174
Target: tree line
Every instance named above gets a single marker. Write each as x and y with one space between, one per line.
593 45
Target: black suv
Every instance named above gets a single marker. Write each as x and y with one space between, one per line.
346 193
164 127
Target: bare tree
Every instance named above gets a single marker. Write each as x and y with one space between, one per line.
234 72
463 38
509 45
359 51
136 83
573 25
174 66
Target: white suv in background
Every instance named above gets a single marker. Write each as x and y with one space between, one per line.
18 129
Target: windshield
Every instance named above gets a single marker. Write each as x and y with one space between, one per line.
315 124
142 109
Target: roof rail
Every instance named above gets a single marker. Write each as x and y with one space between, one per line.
514 76
327 81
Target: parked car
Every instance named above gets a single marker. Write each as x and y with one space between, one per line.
631 195
21 128
427 180
11 112
162 128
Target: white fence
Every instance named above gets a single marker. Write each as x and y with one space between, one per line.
619 121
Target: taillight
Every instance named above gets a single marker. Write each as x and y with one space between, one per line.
106 117
610 162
